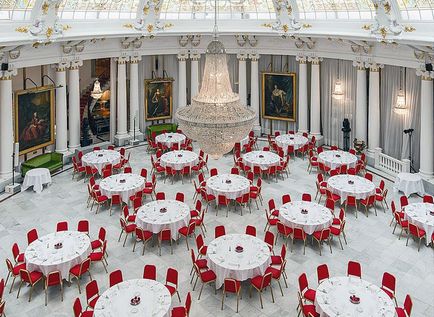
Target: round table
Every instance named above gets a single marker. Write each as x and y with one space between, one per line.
99 159
333 298
350 185
36 177
263 159
226 263
295 140
317 218
419 214
122 184
155 300
409 183
42 256
229 185
179 159
163 214
334 159
168 139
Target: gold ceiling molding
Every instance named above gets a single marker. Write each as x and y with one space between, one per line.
409 28
22 29
128 25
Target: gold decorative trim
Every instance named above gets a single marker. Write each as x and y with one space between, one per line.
66 27
22 29
45 7
367 27
306 26
150 28
128 25
49 32
409 28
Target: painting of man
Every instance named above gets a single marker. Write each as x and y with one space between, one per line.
278 96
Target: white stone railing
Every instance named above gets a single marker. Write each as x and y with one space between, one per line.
390 165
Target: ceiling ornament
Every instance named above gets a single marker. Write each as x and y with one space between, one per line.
386 26
244 39
148 19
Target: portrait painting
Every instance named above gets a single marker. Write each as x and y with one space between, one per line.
34 118
158 99
278 96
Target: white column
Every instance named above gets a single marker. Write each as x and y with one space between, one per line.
182 80
361 103
74 105
6 124
113 86
303 121
374 109
426 126
134 98
122 135
315 99
194 73
242 78
61 110
254 93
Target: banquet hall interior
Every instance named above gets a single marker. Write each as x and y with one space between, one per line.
172 158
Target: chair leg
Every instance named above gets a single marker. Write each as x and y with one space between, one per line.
260 298
125 240
200 293
223 299
19 288
280 286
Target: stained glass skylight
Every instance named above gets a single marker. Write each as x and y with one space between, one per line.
336 9
98 9
416 9
16 9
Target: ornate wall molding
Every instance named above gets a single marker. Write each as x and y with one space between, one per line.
182 56
254 57
315 60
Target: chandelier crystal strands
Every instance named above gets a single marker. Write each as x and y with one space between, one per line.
338 92
400 106
216 119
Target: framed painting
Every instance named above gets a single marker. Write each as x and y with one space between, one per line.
278 96
34 118
158 99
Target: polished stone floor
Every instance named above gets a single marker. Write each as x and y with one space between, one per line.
370 241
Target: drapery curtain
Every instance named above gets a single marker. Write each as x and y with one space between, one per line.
334 111
393 141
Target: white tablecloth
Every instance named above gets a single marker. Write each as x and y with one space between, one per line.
296 140
36 177
409 183
419 214
333 299
317 218
334 159
263 159
361 187
229 185
41 255
99 159
179 159
227 263
114 185
168 139
155 300
177 215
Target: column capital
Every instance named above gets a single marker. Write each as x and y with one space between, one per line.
254 57
242 56
123 59
194 56
315 60
135 59
425 75
301 59
373 66
182 57
75 64
7 74
360 65
62 66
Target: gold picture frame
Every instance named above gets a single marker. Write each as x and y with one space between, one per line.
158 99
279 96
34 118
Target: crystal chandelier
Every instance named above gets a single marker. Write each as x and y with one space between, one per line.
338 92
216 119
400 106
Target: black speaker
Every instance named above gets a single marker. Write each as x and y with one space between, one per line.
156 64
5 66
428 67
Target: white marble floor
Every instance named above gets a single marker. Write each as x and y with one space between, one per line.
370 241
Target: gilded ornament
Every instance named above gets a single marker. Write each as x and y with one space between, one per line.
267 25
146 10
45 7
387 7
289 10
409 28
66 27
285 28
306 26
22 29
367 27
150 28
383 32
168 25
128 25
49 32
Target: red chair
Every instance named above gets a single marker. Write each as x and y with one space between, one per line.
334 197
321 187
30 278
337 231
202 264
187 231
79 270
127 216
92 294
219 231
128 170
106 173
185 171
321 236
77 168
115 200
416 232
251 230
338 221
99 256
89 171
260 283
32 235
197 209
354 269
172 282
2 309
299 234
369 177
322 271
382 199
2 289
388 285
272 208
286 199
115 277
351 201
404 201
278 259
78 309
161 196
201 247
235 171
271 220
180 197
98 199
83 226
306 197
182 311
62 226
18 257
330 204
222 201
169 172
13 271
277 273
231 286
428 199
406 310
52 279
205 276
213 172
303 287
283 230
127 229
399 220
150 272
308 310
165 235
143 236
270 240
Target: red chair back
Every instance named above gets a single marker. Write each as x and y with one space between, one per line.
62 226
408 304
286 199
83 226
213 172
322 272
128 170
428 199
266 280
219 231
235 171
92 290
330 204
231 285
77 308
414 230
32 235
269 239
150 272
15 252
302 283
165 235
369 176
180 197
172 277
161 196
389 282
53 278
84 266
306 197
115 277
404 201
188 303
354 269
222 200
251 230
